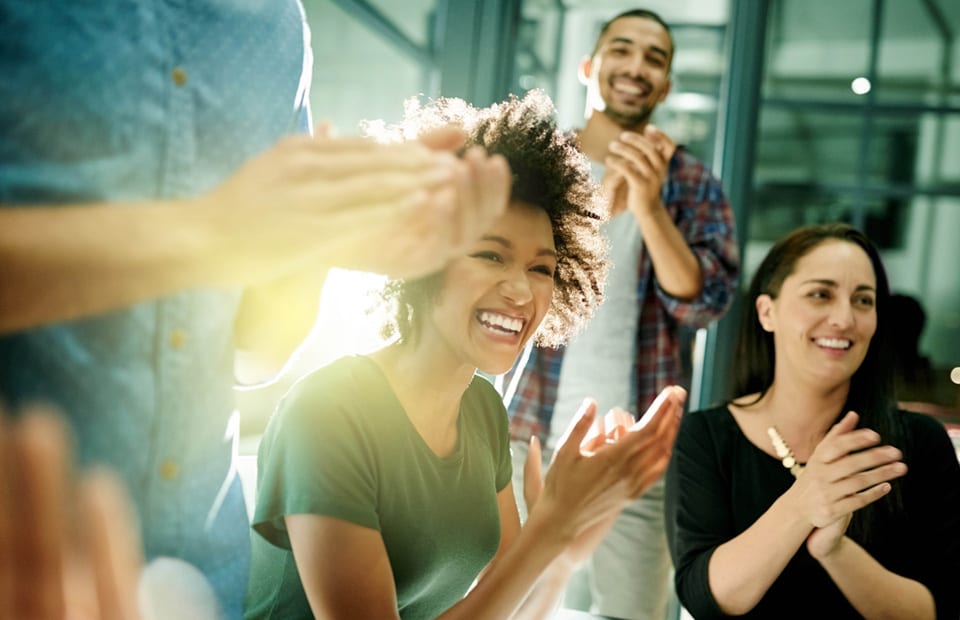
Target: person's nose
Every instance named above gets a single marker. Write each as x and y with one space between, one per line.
841 315
515 287
636 66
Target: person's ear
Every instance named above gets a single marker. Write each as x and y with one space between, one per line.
584 69
764 305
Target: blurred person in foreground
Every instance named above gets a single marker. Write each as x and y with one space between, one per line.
163 206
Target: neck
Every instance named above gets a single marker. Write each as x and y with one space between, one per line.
428 385
598 132
803 415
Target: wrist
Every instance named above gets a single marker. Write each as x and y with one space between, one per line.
833 552
552 531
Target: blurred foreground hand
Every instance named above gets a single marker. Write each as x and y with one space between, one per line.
69 544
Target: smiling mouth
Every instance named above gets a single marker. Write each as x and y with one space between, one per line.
841 344
502 323
631 87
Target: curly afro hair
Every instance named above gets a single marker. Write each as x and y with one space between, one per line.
548 171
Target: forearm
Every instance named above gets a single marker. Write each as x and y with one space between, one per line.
674 263
743 569
62 263
874 591
507 582
545 597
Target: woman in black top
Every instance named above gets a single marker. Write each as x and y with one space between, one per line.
812 495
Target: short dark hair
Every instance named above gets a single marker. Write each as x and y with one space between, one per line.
548 171
641 13
871 387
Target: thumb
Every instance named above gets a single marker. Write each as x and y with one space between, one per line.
532 474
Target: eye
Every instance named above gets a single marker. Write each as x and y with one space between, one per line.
865 301
487 255
544 269
819 294
656 61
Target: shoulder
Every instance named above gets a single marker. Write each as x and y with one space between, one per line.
684 166
691 178
713 425
332 393
483 406
923 431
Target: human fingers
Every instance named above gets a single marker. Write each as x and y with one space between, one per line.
39 551
533 474
448 138
640 151
482 195
595 437
306 157
113 545
862 479
669 401
663 142
832 448
635 168
861 499
572 437
616 422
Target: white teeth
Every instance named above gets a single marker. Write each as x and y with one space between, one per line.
629 88
503 322
833 343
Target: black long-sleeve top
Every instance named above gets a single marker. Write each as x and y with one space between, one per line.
719 484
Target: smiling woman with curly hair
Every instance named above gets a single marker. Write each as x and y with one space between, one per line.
385 480
548 171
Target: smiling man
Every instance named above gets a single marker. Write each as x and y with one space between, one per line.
674 261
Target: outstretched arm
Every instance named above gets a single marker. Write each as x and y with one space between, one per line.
305 204
346 572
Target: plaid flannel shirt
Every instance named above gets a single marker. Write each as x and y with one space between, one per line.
695 201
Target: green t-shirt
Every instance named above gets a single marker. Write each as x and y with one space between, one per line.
341 445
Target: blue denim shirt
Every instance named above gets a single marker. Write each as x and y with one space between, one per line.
108 100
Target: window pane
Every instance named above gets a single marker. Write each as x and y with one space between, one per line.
413 17
910 65
808 145
927 268
356 74
815 48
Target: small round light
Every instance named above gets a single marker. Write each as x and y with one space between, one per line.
860 86
955 375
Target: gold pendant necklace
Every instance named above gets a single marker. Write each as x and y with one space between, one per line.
784 453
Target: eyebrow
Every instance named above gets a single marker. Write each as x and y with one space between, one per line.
507 244
627 41
832 283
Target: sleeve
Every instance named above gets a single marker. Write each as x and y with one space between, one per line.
315 458
937 474
706 221
698 513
